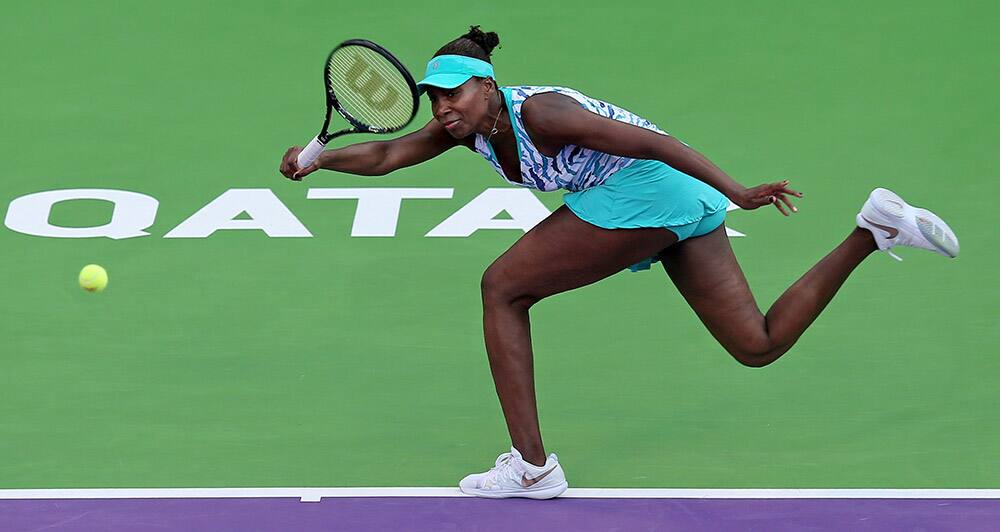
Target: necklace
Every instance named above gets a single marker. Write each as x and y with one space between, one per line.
495 120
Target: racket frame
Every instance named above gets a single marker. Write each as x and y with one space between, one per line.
332 102
315 147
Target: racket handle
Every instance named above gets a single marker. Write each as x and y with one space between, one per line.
310 153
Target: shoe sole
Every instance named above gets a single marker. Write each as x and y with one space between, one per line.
930 225
545 493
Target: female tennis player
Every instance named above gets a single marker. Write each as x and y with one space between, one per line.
635 196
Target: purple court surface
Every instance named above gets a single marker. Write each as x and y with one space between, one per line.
471 514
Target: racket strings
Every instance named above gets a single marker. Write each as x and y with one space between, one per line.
370 88
358 104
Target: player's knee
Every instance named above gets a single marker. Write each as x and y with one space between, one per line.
753 361
492 283
755 352
499 286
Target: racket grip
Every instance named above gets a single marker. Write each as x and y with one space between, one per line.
310 153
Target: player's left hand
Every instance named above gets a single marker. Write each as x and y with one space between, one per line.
767 194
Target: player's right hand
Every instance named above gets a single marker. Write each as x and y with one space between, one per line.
290 165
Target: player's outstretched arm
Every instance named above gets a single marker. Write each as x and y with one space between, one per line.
376 157
558 120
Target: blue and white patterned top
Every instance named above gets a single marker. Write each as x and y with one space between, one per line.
573 168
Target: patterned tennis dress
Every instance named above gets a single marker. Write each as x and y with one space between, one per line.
606 190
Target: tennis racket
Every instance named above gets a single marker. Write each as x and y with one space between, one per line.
370 88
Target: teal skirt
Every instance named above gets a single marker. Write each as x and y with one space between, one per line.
650 193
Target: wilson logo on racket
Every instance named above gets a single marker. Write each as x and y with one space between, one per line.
363 78
367 85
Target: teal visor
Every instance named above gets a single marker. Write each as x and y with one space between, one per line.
450 71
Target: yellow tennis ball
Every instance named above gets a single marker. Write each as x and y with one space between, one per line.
93 278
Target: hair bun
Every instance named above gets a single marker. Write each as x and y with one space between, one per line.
486 40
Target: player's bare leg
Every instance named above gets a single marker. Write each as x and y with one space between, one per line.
559 254
708 276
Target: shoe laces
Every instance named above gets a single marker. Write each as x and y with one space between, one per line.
502 470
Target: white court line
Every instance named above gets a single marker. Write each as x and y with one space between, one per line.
316 494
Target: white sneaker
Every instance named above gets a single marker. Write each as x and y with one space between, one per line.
894 222
513 477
